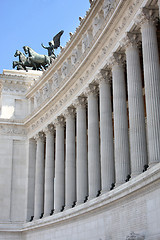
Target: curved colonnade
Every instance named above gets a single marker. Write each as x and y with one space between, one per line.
87 150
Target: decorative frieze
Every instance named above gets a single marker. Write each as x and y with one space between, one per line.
97 22
107 6
12 130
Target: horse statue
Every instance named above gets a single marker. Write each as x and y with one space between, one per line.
37 60
23 62
34 60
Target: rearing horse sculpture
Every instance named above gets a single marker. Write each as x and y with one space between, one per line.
23 61
37 60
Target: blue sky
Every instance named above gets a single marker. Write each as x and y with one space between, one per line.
32 22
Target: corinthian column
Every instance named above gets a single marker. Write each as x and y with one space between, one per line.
121 146
39 179
59 186
138 148
106 131
82 164
152 82
70 170
93 143
49 172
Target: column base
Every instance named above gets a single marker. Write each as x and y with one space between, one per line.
152 164
46 215
67 207
105 191
57 211
133 175
79 203
119 184
36 218
91 197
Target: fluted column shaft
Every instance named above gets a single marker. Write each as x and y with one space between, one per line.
152 86
121 146
82 164
59 187
106 134
70 171
49 172
138 148
31 156
93 144
39 179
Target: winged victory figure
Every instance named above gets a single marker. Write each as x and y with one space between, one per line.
54 44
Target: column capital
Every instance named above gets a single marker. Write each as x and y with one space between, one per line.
91 89
59 121
40 136
104 75
135 236
80 101
147 15
117 59
49 129
131 40
69 112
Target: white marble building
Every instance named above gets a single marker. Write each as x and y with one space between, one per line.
80 142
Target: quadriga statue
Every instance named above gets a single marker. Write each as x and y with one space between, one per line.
36 61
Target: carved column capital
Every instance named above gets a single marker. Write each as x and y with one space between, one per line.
104 75
40 136
131 40
69 112
80 101
147 16
134 236
91 89
49 129
59 121
117 59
